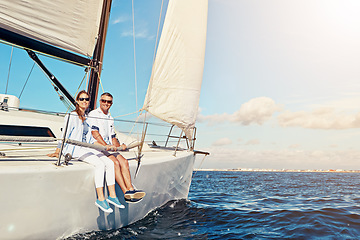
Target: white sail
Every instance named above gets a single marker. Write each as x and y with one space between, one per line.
174 89
69 24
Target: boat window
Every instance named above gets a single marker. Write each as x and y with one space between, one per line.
10 130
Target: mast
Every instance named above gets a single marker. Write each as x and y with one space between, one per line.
94 79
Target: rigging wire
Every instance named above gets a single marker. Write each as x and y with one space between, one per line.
139 112
133 23
156 42
77 90
136 95
7 82
27 80
65 101
158 30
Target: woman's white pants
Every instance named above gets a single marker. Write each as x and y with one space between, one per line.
103 166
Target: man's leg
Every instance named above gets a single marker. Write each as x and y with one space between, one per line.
118 176
131 194
125 171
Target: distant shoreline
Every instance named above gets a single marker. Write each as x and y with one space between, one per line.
277 170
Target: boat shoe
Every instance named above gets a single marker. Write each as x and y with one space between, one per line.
134 200
103 205
115 201
134 194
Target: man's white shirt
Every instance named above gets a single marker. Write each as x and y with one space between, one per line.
103 123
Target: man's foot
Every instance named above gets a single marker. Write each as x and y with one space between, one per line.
115 201
134 200
134 194
103 205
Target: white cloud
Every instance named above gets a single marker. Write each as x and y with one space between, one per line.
223 158
320 118
253 142
222 142
120 19
257 110
143 33
293 146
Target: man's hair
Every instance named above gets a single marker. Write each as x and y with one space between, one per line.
106 94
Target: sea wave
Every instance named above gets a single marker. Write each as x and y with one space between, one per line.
254 205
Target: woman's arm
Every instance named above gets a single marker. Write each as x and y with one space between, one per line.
57 151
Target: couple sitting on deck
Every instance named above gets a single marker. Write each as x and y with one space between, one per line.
98 128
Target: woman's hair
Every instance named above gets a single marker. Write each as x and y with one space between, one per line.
77 110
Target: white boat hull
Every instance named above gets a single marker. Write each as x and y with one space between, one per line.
42 201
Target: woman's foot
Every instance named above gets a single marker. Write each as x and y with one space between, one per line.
103 205
115 201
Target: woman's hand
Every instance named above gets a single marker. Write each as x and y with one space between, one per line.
55 154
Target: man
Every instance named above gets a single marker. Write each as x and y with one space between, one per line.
103 132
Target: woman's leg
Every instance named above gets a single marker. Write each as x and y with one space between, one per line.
110 180
99 172
109 173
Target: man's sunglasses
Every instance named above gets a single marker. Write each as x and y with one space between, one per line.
106 101
84 99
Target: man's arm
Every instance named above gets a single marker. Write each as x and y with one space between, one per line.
99 139
116 143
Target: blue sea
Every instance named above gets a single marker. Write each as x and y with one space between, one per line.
255 205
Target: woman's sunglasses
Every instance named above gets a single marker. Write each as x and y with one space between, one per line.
106 101
84 99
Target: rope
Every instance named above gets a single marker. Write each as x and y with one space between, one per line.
26 139
102 87
27 79
26 149
199 166
127 114
7 82
69 141
87 78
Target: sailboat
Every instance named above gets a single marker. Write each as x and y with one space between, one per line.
43 199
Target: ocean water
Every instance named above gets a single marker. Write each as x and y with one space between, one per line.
255 205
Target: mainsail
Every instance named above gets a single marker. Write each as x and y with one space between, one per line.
174 89
67 24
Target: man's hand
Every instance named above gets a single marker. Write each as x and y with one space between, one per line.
110 148
123 146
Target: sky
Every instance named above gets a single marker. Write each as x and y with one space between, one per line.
280 85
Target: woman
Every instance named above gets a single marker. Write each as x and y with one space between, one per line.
78 129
